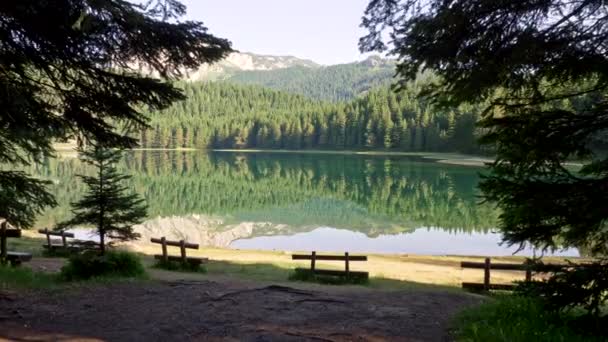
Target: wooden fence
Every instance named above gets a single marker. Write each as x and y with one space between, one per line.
529 269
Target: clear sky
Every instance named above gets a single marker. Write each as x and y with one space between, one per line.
325 31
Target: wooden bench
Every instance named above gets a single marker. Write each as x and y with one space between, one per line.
49 243
14 258
313 257
487 265
183 245
73 245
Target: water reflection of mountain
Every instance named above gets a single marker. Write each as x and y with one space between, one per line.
371 194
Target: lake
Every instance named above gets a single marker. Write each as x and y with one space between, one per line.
301 201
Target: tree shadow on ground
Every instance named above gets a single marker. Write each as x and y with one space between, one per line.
280 273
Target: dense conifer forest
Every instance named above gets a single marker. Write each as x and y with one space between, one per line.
226 115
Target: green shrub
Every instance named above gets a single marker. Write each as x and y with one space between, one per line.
517 318
90 264
573 288
301 274
179 266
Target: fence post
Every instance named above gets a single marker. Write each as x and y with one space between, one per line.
528 275
3 233
486 275
182 247
163 242
313 259
48 237
346 265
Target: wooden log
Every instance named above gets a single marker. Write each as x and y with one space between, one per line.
176 243
313 260
329 257
486 275
182 248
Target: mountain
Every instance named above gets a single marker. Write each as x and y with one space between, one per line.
238 62
341 82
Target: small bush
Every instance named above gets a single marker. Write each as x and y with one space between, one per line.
301 274
517 318
179 266
91 264
573 288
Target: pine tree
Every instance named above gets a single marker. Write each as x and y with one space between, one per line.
57 82
107 205
522 59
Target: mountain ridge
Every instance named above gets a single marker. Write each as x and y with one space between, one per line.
338 82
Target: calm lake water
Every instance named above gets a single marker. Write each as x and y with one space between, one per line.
292 201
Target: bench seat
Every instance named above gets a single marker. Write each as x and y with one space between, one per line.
16 258
337 273
191 260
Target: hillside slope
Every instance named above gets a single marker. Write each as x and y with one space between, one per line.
340 82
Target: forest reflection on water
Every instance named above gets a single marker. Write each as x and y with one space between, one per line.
384 199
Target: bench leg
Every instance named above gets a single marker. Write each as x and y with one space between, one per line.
15 262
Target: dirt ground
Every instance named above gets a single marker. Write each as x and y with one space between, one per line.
219 310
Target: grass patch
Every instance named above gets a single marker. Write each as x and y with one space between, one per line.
21 277
301 274
515 318
179 266
113 264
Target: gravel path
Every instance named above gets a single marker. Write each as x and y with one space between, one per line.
210 311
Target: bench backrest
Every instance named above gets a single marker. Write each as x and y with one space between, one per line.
329 257
175 243
10 233
519 267
56 233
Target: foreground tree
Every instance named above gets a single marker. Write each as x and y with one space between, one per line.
543 68
69 68
542 65
108 204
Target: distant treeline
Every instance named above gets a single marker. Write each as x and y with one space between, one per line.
224 115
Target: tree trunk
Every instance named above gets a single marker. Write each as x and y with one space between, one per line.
100 226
